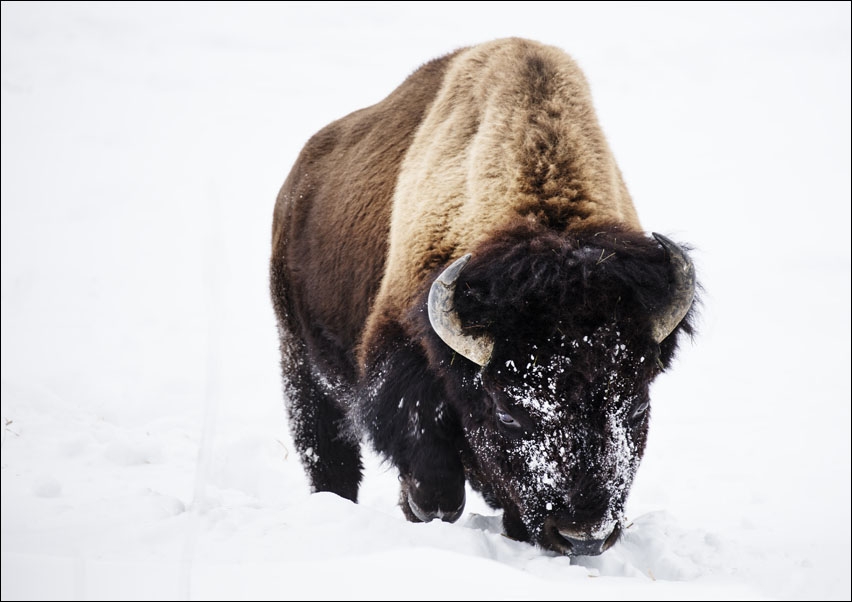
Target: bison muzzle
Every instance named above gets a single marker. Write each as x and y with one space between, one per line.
460 277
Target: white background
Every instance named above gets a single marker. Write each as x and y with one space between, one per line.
145 451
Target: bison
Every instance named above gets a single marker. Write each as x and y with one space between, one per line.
460 277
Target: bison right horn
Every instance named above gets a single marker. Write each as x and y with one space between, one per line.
683 282
445 321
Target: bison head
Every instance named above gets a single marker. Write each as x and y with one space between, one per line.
567 332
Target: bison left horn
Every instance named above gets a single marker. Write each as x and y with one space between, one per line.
683 284
445 321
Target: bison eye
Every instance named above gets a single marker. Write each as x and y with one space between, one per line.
507 419
639 410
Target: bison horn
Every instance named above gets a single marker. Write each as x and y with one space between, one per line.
683 283
446 321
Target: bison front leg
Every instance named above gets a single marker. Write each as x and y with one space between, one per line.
438 495
404 412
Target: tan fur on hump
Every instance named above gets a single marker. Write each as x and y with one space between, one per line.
512 132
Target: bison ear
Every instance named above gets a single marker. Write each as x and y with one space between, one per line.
664 321
445 321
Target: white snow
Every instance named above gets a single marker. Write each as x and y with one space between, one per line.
145 451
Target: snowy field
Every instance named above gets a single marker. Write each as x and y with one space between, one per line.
145 451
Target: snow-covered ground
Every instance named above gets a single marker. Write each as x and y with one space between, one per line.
145 451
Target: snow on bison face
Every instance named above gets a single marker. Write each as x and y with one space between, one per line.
562 432
568 335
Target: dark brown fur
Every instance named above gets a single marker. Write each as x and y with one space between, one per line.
329 244
340 191
493 150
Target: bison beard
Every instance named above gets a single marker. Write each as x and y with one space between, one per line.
531 383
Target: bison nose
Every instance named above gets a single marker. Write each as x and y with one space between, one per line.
579 542
580 546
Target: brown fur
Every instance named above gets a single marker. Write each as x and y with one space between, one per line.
493 150
502 129
512 132
332 216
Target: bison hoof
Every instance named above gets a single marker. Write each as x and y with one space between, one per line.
423 512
